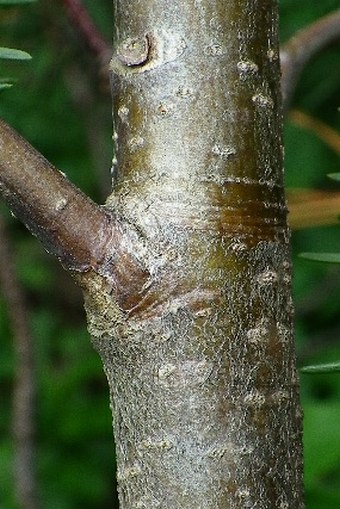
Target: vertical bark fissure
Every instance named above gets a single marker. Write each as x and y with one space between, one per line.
200 359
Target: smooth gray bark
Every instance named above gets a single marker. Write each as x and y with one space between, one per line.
199 355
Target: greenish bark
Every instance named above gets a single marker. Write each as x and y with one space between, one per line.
199 351
186 270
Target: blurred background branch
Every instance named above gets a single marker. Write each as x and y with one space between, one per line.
300 48
87 29
23 419
310 207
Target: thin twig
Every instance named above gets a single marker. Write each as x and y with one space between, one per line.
24 389
87 29
298 51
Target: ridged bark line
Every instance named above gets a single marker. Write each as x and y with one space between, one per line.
201 365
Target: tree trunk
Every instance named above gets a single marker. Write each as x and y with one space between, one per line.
188 294
198 351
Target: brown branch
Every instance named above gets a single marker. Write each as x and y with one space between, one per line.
87 29
24 389
298 51
68 224
80 233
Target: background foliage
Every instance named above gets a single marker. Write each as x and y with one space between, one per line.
62 106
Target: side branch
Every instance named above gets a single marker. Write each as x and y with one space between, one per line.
68 224
297 52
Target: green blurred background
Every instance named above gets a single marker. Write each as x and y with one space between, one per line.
61 105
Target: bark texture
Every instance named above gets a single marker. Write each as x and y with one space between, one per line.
199 351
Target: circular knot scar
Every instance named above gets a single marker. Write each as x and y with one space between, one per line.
134 51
